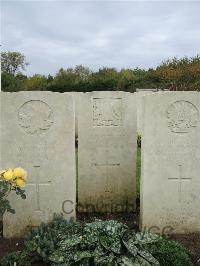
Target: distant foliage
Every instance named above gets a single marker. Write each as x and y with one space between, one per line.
173 74
180 74
13 62
101 243
10 82
35 83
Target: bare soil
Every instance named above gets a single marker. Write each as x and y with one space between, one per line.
192 243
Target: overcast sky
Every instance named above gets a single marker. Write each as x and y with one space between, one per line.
121 34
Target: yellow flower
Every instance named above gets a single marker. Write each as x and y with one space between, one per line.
19 173
20 182
8 175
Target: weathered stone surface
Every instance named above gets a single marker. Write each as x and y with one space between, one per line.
140 120
75 95
170 185
38 134
107 151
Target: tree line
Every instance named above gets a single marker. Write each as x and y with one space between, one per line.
172 74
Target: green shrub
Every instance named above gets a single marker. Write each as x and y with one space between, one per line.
22 258
170 253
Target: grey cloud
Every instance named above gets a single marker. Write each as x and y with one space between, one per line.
117 34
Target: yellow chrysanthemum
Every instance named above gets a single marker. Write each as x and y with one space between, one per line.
8 175
20 182
19 173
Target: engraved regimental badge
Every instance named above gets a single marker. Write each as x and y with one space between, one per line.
35 117
183 116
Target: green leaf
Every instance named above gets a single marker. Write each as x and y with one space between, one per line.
99 251
70 242
23 196
146 238
111 244
125 261
129 244
147 256
116 246
141 262
104 242
79 255
106 259
57 257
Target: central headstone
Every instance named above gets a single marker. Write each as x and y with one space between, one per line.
170 186
38 134
106 152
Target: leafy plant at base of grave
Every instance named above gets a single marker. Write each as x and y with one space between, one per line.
61 242
171 253
11 180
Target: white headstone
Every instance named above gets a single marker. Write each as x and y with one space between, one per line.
139 95
38 132
170 185
107 152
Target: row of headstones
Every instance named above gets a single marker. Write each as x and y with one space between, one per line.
38 134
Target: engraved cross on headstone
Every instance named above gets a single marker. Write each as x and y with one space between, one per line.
180 179
37 185
108 165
